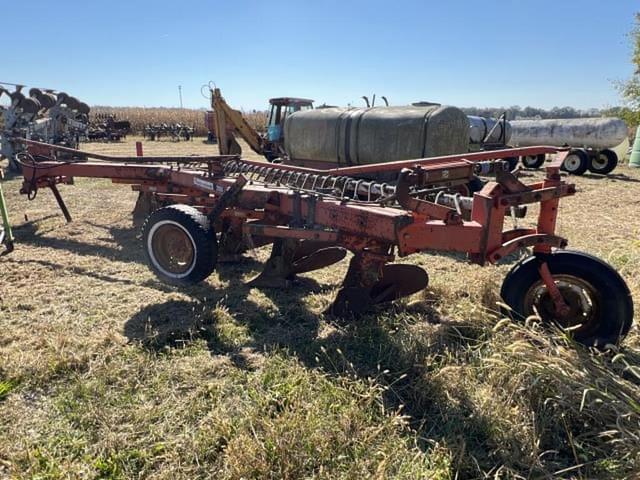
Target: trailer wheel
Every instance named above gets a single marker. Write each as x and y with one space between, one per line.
604 162
576 163
513 163
180 245
600 304
533 161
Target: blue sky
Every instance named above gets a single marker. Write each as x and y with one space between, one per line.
467 53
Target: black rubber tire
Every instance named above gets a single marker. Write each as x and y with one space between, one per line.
46 100
16 98
30 105
200 233
581 166
72 103
61 97
611 162
533 161
84 108
614 314
475 185
513 163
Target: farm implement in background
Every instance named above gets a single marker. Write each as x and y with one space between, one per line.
173 131
44 115
201 209
108 128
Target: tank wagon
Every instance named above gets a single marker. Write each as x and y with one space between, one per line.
591 141
354 136
484 130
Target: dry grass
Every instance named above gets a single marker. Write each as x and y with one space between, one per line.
141 116
107 373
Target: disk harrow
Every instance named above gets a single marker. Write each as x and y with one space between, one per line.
203 210
44 115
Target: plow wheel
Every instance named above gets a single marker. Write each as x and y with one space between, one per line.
598 309
391 282
290 257
180 245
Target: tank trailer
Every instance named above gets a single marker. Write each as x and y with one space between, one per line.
590 140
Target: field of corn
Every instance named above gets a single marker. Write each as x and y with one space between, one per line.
107 373
140 117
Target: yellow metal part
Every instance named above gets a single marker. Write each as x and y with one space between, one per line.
229 121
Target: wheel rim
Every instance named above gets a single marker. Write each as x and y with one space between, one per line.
580 296
171 249
529 160
572 163
600 162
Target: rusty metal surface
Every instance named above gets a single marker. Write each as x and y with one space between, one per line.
290 212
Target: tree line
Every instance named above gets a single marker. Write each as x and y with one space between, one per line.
516 112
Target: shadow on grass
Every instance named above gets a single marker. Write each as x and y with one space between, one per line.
378 346
275 320
612 176
375 346
128 247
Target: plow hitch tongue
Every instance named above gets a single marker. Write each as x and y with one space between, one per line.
199 209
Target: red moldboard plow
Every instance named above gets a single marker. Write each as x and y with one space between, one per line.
201 209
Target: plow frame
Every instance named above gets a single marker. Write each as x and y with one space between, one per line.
275 210
227 205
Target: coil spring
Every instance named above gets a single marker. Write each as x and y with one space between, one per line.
333 185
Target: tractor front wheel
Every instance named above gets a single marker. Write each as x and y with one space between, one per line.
180 245
600 308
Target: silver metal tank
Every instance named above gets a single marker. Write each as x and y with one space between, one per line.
597 133
352 136
479 128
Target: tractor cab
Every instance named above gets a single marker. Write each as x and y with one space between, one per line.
280 109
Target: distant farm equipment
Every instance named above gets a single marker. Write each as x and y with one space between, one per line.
107 127
325 137
333 136
172 131
45 115
226 122
591 140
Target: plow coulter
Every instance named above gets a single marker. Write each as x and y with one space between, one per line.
201 210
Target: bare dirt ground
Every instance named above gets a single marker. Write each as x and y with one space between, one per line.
107 373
